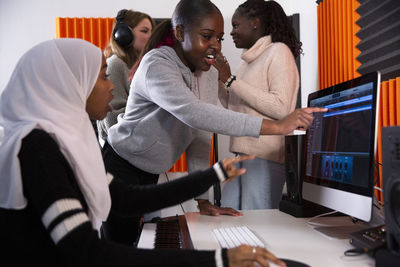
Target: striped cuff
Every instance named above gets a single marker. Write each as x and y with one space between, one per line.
67 225
62 217
218 258
220 172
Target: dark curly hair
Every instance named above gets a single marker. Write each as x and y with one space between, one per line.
275 21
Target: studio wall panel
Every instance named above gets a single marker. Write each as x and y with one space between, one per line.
379 37
94 30
337 40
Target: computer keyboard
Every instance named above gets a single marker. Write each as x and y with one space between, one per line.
230 237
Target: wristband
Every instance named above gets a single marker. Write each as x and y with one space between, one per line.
219 262
230 80
221 174
223 170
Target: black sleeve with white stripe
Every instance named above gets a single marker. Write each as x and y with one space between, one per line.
50 186
158 196
53 194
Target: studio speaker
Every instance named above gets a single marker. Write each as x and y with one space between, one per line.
391 186
293 156
292 202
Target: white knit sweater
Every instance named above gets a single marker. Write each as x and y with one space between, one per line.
267 84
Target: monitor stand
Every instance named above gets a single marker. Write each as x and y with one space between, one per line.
339 227
342 226
333 226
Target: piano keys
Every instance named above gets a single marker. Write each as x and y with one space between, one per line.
168 232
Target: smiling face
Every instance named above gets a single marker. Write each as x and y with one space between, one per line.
97 104
243 32
199 44
142 33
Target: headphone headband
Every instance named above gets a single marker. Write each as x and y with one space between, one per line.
121 15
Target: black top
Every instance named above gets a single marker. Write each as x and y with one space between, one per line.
47 177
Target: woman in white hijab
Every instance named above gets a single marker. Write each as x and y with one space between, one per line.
54 191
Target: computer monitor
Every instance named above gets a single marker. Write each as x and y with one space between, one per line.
339 163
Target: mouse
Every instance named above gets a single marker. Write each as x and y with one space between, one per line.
289 263
293 263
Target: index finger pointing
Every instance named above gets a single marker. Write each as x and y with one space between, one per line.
243 158
315 109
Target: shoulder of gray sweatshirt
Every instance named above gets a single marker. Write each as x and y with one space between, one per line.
118 73
164 110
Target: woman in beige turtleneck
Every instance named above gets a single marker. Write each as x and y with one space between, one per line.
266 84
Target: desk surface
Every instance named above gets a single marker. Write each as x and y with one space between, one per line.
284 235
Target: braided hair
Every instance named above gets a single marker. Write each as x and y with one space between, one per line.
275 21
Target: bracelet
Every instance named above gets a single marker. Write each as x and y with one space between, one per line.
230 80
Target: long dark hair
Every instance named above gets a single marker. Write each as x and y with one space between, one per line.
275 21
187 13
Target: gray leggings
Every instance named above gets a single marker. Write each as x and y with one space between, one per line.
259 188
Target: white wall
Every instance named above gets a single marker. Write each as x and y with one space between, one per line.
24 23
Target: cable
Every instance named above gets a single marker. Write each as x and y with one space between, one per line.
377 172
180 204
380 203
378 188
377 203
309 221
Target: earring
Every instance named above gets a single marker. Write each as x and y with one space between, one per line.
255 27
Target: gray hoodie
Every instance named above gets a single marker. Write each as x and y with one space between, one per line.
164 109
118 73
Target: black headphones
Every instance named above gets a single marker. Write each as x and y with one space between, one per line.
122 33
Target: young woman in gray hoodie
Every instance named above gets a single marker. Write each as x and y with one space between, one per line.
164 109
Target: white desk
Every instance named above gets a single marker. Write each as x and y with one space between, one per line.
284 235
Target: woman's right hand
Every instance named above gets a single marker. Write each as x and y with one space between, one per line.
245 255
222 65
300 119
230 169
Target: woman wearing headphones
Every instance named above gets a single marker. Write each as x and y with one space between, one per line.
131 30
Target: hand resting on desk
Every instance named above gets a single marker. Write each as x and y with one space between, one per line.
290 263
245 255
206 208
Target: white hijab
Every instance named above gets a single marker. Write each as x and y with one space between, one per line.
48 90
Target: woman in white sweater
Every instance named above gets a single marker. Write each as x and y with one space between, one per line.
266 84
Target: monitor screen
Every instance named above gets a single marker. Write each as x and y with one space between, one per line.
340 146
